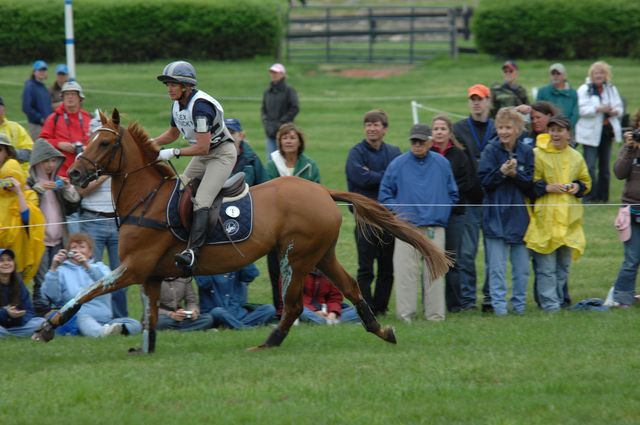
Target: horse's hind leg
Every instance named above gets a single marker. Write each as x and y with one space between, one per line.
330 266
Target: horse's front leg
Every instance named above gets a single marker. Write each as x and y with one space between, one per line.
106 284
150 299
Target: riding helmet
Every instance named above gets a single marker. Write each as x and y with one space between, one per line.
179 72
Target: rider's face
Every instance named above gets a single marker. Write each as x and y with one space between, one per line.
175 90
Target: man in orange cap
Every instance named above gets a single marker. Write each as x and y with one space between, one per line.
474 132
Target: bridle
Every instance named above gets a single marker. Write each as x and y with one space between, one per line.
99 170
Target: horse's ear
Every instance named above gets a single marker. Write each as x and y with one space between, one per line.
103 118
115 117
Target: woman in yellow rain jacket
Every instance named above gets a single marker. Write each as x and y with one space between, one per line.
19 207
555 233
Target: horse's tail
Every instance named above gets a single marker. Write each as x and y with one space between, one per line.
369 212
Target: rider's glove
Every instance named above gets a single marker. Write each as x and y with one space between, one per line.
166 154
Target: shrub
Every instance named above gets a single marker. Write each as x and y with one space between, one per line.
140 30
558 28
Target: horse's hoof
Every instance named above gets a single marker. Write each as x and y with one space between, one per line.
45 334
257 348
389 335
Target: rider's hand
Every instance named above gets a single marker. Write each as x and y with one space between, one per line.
166 154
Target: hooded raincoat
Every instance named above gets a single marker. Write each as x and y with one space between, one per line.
557 217
26 242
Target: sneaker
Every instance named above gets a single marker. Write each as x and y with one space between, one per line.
115 329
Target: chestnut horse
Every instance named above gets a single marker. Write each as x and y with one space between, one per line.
297 217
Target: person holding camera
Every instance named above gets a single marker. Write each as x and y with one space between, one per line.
555 234
627 168
72 271
55 197
506 175
599 124
21 221
178 308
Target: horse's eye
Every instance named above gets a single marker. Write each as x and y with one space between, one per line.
104 143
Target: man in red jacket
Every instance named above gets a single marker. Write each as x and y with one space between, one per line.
67 128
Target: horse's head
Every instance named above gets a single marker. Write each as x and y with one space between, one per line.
102 155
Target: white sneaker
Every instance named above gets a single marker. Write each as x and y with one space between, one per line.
115 329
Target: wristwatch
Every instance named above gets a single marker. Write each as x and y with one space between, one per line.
176 152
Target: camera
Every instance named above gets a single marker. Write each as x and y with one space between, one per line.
567 187
59 183
6 184
188 314
635 135
71 254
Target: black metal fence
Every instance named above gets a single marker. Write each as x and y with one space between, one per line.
401 34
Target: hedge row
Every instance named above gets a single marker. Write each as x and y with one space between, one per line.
140 30
558 28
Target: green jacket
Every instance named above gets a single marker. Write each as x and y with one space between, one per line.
305 168
503 96
565 99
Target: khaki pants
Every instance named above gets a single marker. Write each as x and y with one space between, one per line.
409 269
214 169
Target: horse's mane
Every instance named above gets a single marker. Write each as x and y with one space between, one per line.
148 149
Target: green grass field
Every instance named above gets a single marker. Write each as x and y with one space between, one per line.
570 368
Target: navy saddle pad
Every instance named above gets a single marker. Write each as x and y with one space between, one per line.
236 217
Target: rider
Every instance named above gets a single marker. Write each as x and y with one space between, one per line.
199 117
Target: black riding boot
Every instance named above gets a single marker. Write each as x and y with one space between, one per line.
188 257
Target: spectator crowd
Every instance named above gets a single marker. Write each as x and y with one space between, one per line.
511 171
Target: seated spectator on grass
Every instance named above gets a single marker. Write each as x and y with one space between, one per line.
21 221
506 174
73 270
560 93
555 235
508 93
54 195
179 309
17 317
323 302
224 296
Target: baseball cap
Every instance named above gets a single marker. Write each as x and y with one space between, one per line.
233 124
478 90
560 121
8 251
510 65
558 67
39 64
278 67
62 69
420 132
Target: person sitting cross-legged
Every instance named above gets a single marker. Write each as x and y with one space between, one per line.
323 302
74 269
174 293
224 296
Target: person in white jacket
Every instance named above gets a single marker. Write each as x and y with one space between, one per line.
599 124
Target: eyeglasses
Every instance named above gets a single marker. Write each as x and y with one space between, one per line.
419 142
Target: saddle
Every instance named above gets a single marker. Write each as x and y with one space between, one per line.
234 187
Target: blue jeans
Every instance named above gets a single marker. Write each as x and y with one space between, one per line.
203 322
24 331
89 326
349 314
72 223
625 286
270 146
466 259
259 316
497 253
104 233
552 274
